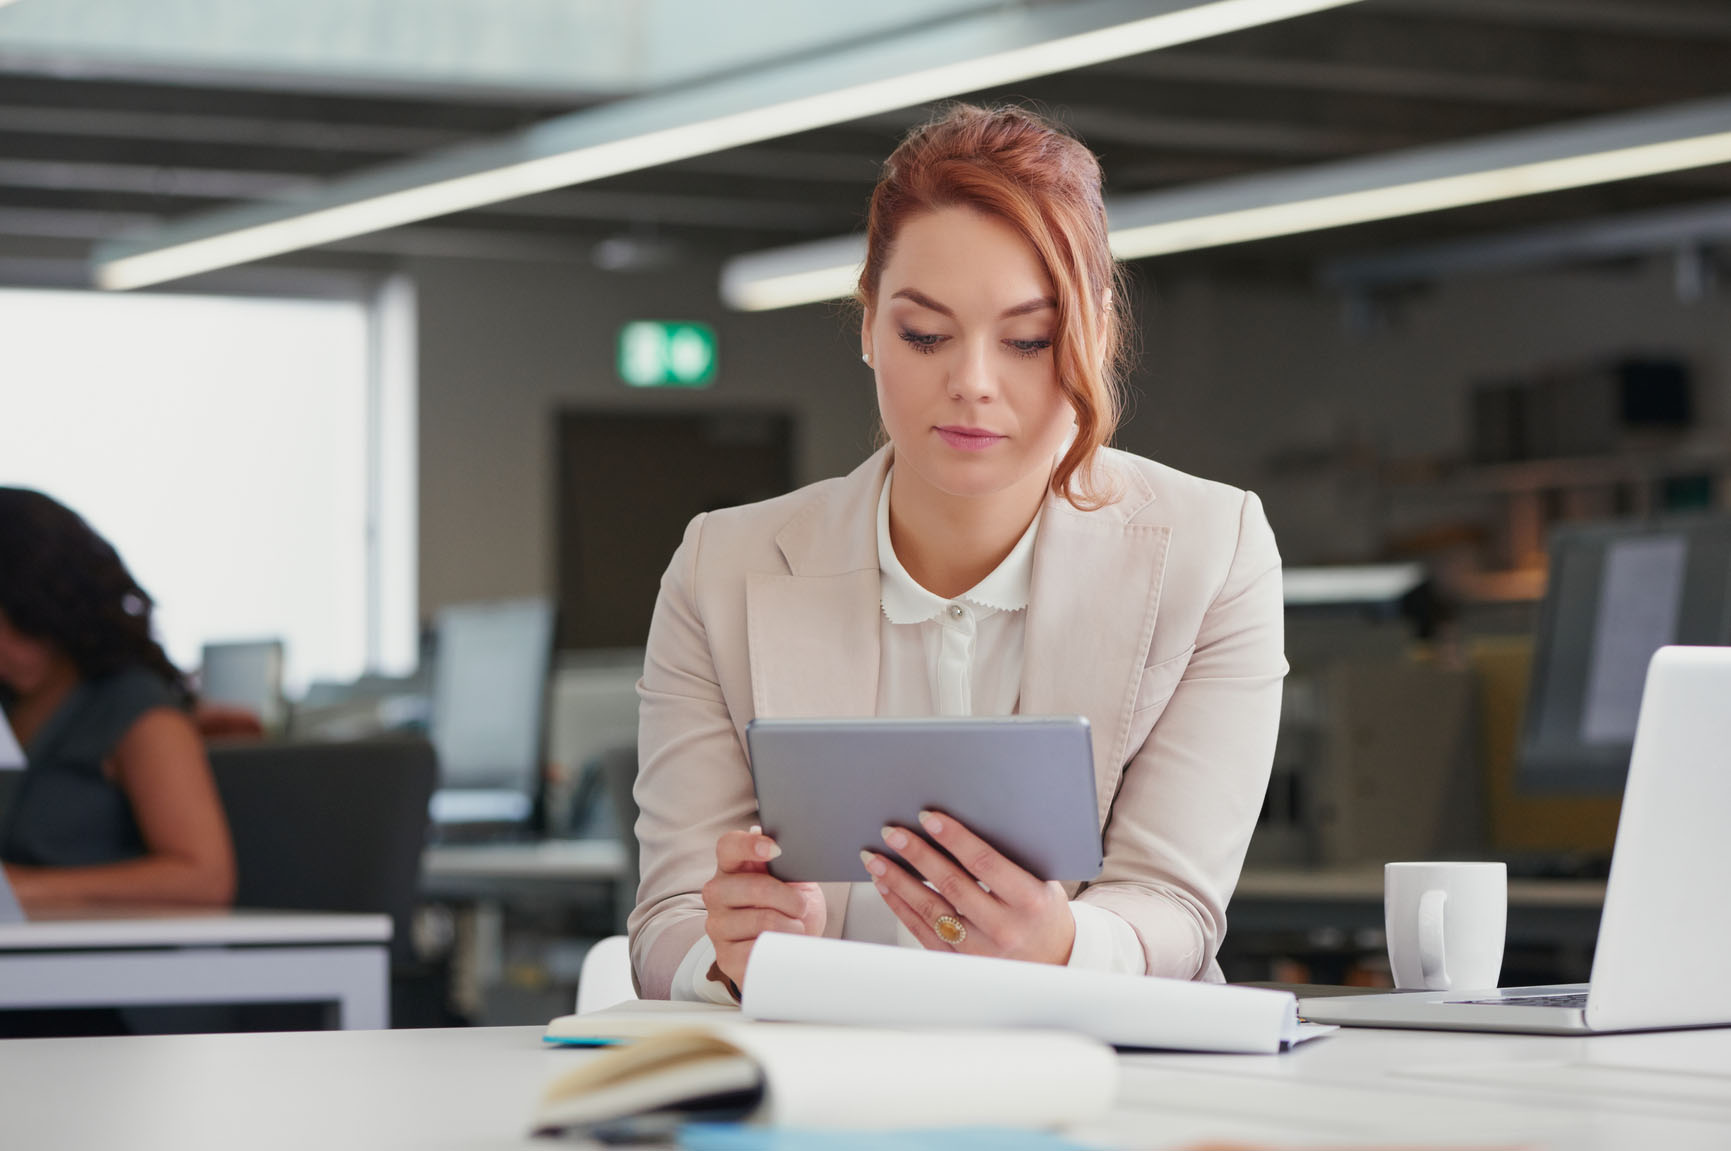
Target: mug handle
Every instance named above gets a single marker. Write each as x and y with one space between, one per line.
1430 940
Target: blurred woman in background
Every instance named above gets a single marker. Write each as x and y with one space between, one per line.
116 803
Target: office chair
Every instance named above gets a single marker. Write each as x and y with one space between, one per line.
329 826
606 976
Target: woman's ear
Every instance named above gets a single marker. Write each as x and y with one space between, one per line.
865 336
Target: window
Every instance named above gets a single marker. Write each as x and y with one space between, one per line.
247 457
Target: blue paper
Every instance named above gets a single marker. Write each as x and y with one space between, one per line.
739 1137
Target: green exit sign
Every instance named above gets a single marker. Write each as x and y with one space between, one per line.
657 354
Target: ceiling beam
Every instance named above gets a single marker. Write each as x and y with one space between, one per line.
1642 17
1633 233
1446 37
253 131
163 183
1275 138
145 179
1364 79
1408 182
963 55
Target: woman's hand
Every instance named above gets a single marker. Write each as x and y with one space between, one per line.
993 906
743 901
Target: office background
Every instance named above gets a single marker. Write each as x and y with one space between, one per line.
1366 380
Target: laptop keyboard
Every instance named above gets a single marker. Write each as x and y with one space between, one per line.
1571 999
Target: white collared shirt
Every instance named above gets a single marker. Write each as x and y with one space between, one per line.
960 656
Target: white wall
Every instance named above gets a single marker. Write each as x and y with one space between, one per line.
1257 384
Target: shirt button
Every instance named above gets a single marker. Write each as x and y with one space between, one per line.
955 611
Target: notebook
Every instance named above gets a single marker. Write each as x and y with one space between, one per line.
840 982
1666 924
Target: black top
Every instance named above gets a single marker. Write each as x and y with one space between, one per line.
64 811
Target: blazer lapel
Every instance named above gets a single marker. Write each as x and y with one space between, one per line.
814 643
1091 610
813 630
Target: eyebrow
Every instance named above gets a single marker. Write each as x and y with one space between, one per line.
925 301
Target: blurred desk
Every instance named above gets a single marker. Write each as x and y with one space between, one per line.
490 870
586 876
475 1088
1298 899
136 958
1561 915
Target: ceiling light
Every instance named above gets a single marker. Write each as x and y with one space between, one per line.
995 48
799 274
1380 187
1419 180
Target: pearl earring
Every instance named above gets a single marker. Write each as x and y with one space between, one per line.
866 358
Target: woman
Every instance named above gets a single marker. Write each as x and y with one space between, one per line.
116 802
994 557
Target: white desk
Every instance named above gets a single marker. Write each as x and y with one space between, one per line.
136 958
485 878
475 1089
489 867
1557 918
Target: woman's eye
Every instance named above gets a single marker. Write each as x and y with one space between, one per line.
1027 349
923 342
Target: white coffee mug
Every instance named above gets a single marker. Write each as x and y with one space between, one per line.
1445 923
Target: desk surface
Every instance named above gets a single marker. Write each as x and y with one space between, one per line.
104 929
474 1089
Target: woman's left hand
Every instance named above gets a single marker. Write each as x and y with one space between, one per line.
992 906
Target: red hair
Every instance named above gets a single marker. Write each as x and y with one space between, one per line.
1011 164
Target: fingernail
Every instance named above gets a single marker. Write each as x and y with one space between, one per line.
882 890
767 849
895 837
872 863
930 821
757 829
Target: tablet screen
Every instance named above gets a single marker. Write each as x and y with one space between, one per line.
1025 784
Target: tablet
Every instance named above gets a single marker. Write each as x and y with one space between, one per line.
1025 784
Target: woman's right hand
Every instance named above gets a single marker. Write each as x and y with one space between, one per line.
743 901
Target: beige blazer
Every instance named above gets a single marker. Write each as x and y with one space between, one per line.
1158 616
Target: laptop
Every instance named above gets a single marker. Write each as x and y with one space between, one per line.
1666 924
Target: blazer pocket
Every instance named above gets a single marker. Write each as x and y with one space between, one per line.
1160 680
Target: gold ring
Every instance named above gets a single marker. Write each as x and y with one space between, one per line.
950 930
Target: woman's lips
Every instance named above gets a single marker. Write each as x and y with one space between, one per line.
969 439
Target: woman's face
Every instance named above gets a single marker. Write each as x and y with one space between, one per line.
961 341
24 662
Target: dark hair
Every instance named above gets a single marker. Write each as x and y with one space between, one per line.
1011 164
63 584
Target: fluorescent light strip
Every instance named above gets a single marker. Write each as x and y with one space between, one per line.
565 151
1331 195
801 274
1419 197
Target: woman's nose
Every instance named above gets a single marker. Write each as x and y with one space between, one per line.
971 377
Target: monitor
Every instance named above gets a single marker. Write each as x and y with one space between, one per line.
1617 592
247 674
489 709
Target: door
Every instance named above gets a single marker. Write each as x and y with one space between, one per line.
628 485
